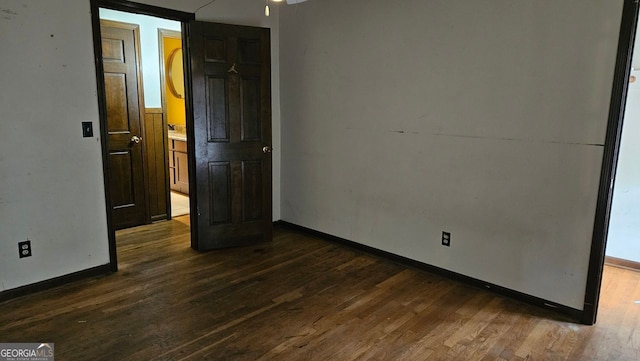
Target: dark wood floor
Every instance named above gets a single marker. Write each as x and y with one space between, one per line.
302 298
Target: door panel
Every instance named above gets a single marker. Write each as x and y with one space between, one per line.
121 175
117 107
220 190
231 88
217 118
112 50
252 189
250 107
249 51
123 123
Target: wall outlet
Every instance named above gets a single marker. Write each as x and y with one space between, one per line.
446 239
24 249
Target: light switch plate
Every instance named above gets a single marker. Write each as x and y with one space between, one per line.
87 129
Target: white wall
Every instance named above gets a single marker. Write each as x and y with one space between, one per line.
52 185
52 182
624 227
482 118
150 58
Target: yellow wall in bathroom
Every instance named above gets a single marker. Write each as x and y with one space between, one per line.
175 106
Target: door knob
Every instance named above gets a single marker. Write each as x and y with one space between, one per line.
266 149
136 139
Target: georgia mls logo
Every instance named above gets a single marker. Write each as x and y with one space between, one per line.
26 352
46 347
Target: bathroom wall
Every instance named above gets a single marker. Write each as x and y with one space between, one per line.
175 106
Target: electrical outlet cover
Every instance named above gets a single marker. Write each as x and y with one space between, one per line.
24 249
446 239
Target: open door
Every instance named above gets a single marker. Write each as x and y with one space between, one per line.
231 133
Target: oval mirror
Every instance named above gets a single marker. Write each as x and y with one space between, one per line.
176 75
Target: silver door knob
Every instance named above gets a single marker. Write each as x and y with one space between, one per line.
266 149
136 139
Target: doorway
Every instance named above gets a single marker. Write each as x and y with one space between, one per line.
611 149
173 108
161 173
155 113
227 86
623 242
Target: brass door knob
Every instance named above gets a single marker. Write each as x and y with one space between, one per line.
266 149
136 139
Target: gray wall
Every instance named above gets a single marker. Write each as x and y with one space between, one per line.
482 118
52 182
52 186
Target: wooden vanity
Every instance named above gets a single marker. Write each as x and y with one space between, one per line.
178 165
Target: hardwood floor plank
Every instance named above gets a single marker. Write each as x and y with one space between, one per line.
472 328
302 298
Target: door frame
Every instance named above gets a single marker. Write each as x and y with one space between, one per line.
610 159
162 34
128 6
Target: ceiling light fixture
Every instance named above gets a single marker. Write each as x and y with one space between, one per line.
266 6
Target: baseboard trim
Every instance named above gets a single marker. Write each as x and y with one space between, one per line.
621 262
159 218
569 312
54 282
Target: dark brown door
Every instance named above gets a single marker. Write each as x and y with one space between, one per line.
231 90
120 56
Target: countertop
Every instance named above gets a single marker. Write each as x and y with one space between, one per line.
177 135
